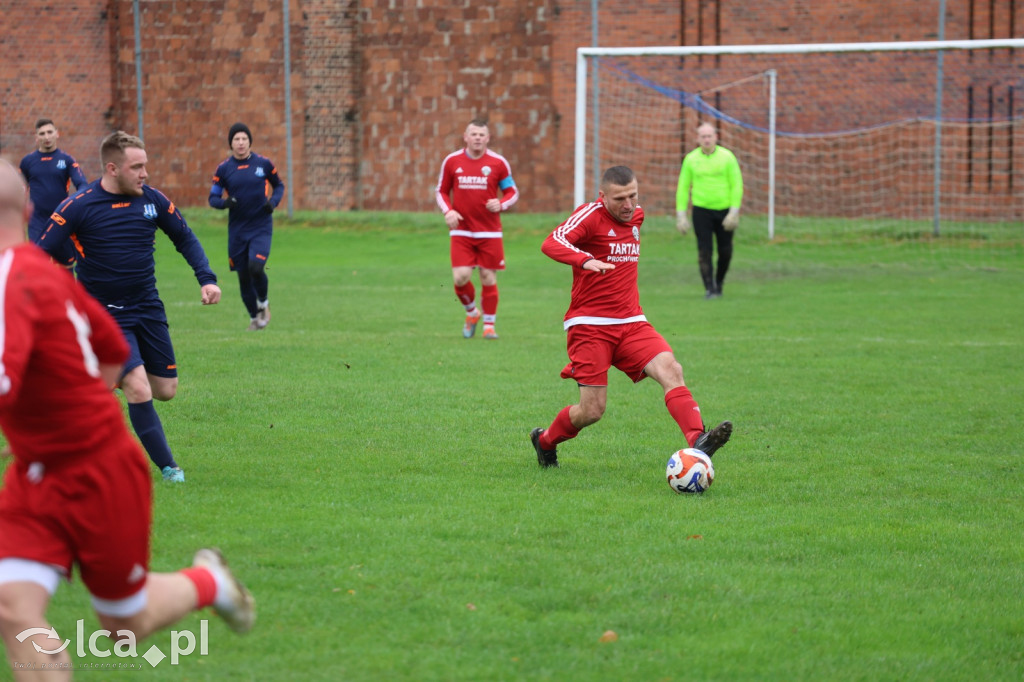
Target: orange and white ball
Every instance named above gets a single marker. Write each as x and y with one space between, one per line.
690 471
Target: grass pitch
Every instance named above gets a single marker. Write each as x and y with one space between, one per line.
368 472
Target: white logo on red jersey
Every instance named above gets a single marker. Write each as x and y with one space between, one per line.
138 573
626 249
459 169
486 170
611 233
472 182
636 233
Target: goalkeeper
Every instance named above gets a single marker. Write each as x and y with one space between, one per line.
713 175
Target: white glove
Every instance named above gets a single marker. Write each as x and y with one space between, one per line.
682 224
732 219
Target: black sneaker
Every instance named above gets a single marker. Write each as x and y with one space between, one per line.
709 441
546 458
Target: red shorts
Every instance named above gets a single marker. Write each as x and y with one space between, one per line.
94 512
468 252
627 347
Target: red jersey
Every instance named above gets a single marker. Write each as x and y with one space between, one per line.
53 337
470 183
611 297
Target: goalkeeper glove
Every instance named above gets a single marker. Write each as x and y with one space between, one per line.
231 202
732 219
682 224
268 207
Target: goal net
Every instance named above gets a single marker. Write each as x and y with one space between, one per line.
902 139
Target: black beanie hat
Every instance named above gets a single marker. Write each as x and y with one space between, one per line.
238 128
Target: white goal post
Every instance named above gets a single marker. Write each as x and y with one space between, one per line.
676 82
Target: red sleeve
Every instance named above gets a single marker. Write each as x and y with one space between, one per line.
18 312
508 195
444 187
560 245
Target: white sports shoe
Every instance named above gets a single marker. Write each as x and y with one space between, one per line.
241 613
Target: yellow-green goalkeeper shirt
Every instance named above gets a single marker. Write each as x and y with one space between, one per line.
715 179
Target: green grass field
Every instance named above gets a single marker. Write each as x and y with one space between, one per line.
368 472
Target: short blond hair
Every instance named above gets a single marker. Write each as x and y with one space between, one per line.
113 146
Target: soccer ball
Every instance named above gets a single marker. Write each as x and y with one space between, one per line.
690 471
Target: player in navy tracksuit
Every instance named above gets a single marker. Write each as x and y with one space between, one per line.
50 173
253 192
113 221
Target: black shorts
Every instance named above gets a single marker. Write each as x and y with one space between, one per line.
149 339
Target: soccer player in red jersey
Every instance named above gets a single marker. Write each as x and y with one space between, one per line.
78 490
605 324
474 187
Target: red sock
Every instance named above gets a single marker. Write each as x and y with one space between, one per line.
560 430
489 299
206 585
466 294
686 412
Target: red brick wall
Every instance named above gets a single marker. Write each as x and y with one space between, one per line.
872 90
56 64
382 89
206 64
326 108
429 70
